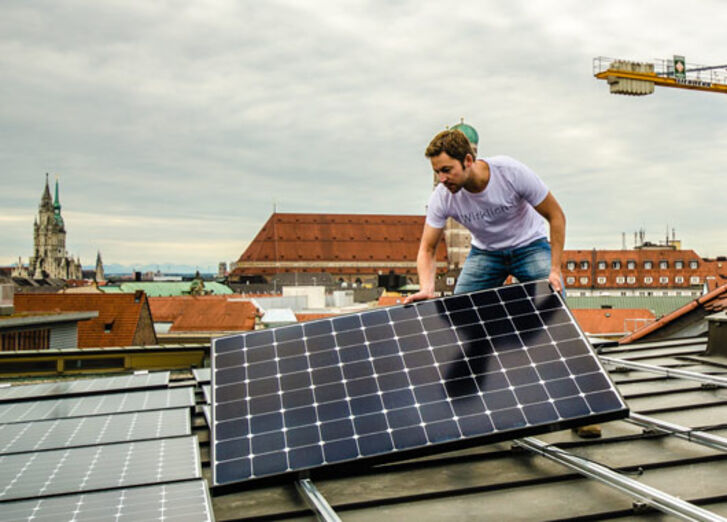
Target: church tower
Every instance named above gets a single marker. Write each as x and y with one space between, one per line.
50 259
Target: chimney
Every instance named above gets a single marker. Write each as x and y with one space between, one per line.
7 293
717 334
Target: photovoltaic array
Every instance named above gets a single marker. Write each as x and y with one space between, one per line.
470 368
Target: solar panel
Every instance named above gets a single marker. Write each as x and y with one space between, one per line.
54 472
89 431
461 370
97 405
84 386
202 374
179 501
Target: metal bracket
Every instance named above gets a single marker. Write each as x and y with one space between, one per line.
316 501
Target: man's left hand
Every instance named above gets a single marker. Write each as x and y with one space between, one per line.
556 280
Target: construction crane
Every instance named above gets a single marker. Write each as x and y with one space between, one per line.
639 78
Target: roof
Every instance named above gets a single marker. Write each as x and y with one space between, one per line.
43 318
390 300
215 315
612 321
336 244
123 319
167 288
683 319
279 315
167 308
705 268
659 305
303 317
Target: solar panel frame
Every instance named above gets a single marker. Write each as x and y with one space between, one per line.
161 399
96 468
403 381
99 385
177 501
89 431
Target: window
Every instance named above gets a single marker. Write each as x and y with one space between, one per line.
693 264
570 280
648 280
584 280
694 280
631 265
648 265
620 280
616 265
631 280
663 264
663 280
450 281
601 280
679 264
570 265
584 265
602 265
679 279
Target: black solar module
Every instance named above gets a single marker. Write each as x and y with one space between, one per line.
176 502
470 368
55 472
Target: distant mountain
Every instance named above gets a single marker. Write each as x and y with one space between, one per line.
165 268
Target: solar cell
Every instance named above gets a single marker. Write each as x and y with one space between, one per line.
83 386
472 368
54 472
179 501
97 405
89 431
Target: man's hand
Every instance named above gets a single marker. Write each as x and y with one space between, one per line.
419 296
556 279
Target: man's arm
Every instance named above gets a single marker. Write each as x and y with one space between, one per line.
426 263
551 211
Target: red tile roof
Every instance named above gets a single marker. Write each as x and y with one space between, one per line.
391 300
123 319
167 309
312 317
712 302
215 315
337 244
612 320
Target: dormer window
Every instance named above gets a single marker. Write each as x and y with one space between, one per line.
648 265
570 265
663 264
693 265
584 265
602 265
616 265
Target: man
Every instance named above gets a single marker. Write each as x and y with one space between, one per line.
502 203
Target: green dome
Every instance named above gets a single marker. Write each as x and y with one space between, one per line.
468 131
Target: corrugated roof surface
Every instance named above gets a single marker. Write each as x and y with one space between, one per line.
612 321
336 244
123 319
660 305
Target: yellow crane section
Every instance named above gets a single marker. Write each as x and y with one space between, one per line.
639 78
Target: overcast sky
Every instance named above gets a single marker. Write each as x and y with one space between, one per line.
174 127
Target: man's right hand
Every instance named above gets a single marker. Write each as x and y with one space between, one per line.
419 296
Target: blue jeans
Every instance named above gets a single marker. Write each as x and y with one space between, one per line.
489 268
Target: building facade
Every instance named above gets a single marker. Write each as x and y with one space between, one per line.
50 258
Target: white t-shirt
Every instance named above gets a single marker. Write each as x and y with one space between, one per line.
501 216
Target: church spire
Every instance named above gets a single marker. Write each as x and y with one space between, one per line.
45 201
57 207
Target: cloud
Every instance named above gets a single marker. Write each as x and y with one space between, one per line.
184 124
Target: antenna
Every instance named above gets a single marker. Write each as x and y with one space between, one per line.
623 240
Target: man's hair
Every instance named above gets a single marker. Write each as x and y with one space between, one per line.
453 142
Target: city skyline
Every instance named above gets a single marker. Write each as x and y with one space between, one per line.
176 132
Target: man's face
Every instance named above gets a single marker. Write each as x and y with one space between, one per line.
450 171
